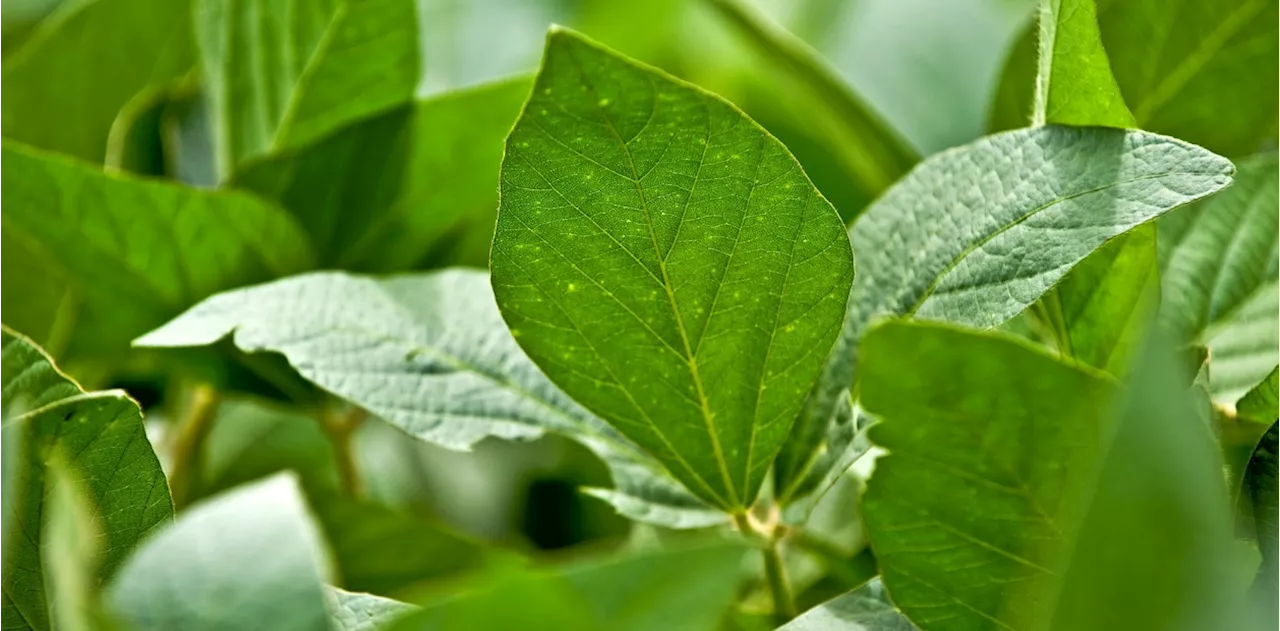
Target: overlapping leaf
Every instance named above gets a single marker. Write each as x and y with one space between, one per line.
429 354
1260 403
100 438
281 73
1261 496
1014 496
354 611
131 252
667 263
864 609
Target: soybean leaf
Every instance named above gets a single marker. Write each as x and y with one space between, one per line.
1219 277
1260 403
666 262
864 609
320 65
354 611
429 354
977 234
1016 495
72 552
870 153
678 589
383 193
252 439
1179 65
1261 497
133 252
84 62
103 443
1094 311
207 570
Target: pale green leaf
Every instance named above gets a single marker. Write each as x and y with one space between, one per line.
864 609
134 252
71 552
677 589
666 262
1202 71
248 559
1219 277
1261 497
84 62
101 437
281 73
354 611
1261 402
977 234
429 354
1015 495
386 192
1074 85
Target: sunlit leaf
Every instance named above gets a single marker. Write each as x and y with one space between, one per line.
1262 401
354 611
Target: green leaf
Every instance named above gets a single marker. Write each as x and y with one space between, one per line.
252 439
1262 402
1074 85
666 262
250 558
429 354
870 152
279 74
976 253
1219 277
133 252
678 589
83 63
1181 65
1260 491
864 609
101 437
71 552
1015 495
384 193
365 612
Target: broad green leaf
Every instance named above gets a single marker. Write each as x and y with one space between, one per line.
252 439
103 443
133 252
250 558
864 609
387 192
1015 495
1261 495
1261 402
354 611
1180 65
279 74
963 237
1219 277
667 263
429 354
675 590
870 152
84 62
1074 85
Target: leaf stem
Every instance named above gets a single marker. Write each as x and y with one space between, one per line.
188 446
775 572
339 424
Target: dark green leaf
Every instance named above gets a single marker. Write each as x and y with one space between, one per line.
1014 497
1219 277
248 559
674 590
667 263
133 252
101 437
384 192
280 74
430 355
1262 497
1262 402
83 64
864 609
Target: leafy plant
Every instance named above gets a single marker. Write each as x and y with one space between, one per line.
1046 399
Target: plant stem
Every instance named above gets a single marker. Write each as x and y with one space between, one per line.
339 425
775 572
188 447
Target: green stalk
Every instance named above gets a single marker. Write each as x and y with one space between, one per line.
188 447
775 572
